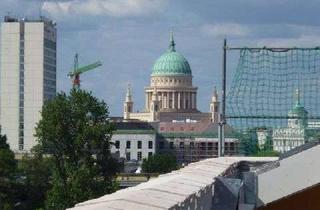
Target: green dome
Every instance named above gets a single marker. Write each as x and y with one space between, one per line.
171 63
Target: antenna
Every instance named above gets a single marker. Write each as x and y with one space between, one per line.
40 7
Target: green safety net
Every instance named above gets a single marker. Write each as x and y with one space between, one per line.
269 88
268 83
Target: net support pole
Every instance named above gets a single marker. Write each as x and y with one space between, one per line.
222 120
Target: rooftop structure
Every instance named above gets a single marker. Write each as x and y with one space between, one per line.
233 183
190 187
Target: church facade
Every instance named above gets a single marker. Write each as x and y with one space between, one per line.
171 95
285 139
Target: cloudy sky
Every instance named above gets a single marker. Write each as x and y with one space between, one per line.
129 35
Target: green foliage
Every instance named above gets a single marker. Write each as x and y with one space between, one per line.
7 172
248 142
159 163
267 153
36 173
76 132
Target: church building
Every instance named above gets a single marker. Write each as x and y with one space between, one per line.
170 121
285 139
171 95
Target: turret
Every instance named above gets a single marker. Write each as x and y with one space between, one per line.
214 107
154 106
298 116
128 104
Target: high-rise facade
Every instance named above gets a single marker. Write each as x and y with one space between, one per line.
27 77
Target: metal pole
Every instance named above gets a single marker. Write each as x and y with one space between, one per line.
223 104
274 48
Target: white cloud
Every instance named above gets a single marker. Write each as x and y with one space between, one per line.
116 8
301 41
226 29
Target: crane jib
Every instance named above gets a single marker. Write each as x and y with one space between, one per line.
86 68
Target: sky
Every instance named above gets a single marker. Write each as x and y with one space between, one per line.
127 36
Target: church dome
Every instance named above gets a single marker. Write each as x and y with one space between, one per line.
171 63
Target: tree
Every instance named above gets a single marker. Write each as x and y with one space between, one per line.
76 132
36 173
7 171
159 163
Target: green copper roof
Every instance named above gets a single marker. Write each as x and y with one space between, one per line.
171 63
298 109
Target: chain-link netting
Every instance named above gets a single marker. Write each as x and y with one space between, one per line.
272 91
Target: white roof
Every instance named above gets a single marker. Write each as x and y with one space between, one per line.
293 174
170 190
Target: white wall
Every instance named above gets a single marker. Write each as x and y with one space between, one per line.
33 90
9 84
134 138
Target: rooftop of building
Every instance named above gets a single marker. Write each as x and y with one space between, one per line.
12 19
171 63
170 191
174 129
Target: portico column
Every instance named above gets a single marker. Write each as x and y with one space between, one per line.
168 99
161 98
179 98
146 104
184 100
193 101
189 101
150 98
173 100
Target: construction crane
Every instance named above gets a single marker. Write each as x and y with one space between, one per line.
75 73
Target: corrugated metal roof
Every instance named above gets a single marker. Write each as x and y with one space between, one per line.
171 190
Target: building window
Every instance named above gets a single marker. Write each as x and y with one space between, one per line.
150 144
128 145
191 144
139 144
231 146
117 144
210 146
203 146
128 156
139 156
149 154
117 154
171 145
161 145
181 144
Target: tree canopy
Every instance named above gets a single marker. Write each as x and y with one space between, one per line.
7 171
75 132
159 163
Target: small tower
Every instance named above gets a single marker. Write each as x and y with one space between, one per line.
128 104
214 107
298 116
154 106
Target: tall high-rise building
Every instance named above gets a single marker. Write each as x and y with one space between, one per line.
27 76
